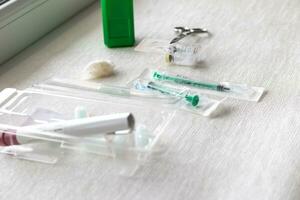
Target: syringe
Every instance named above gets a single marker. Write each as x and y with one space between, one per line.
184 81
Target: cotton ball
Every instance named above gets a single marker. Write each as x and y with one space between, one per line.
98 69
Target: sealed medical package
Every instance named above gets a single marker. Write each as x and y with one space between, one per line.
39 124
151 92
222 88
177 53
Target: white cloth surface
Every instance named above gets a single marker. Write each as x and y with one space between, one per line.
250 151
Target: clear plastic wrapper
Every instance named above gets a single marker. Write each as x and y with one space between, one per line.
226 89
183 99
145 91
152 45
38 124
179 53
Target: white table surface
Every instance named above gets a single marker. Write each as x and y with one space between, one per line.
251 151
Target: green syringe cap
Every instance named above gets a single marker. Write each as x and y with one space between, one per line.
194 100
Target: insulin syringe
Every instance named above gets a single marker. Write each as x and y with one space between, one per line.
184 81
121 123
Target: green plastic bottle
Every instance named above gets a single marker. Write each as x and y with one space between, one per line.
118 23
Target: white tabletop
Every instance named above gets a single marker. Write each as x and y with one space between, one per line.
250 151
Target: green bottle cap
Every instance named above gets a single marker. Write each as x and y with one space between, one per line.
118 23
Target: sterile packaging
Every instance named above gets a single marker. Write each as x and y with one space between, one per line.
179 53
149 92
39 124
222 88
183 98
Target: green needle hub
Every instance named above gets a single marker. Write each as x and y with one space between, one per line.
194 100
